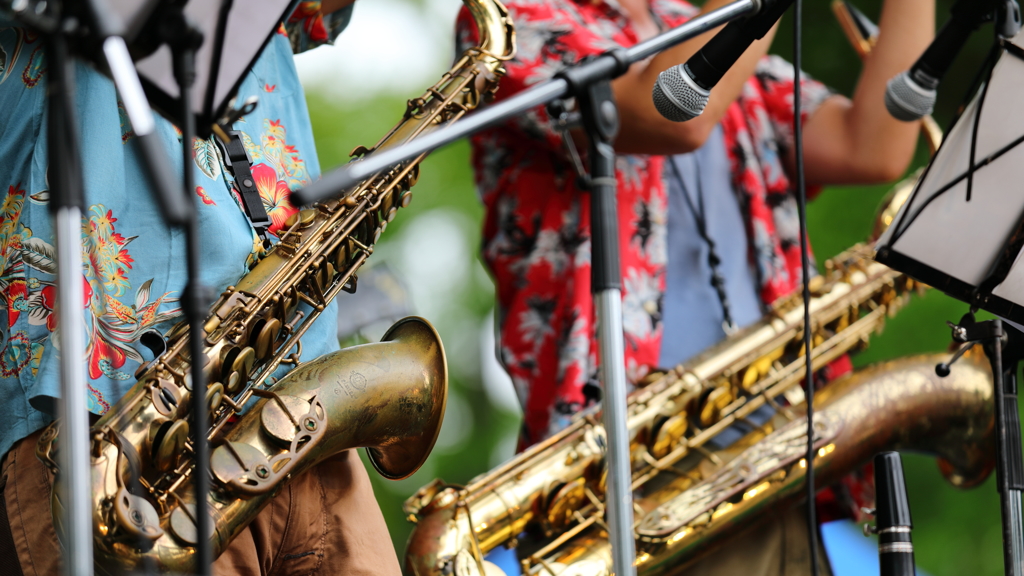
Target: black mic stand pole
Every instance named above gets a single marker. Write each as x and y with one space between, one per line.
600 118
1003 347
184 38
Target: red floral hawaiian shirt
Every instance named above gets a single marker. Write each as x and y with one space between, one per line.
537 223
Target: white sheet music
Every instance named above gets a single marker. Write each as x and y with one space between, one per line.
960 238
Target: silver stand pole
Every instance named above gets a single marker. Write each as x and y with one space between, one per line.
67 199
613 402
74 414
601 119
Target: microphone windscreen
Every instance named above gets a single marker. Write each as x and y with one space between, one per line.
677 97
906 100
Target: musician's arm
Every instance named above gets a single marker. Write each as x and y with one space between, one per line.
857 141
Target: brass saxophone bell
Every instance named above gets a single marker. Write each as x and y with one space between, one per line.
387 397
398 458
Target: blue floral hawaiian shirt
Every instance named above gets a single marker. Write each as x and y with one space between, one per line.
134 266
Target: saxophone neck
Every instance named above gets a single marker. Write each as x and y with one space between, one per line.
497 36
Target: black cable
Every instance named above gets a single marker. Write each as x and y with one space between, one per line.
805 264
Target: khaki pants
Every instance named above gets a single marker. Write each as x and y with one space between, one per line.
776 547
326 522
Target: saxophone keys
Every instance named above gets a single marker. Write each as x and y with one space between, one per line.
266 336
234 382
716 401
137 517
243 363
214 396
165 396
303 218
285 417
168 444
243 467
388 201
568 499
183 523
289 302
668 435
341 255
465 564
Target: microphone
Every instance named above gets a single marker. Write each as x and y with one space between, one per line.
911 95
892 520
682 92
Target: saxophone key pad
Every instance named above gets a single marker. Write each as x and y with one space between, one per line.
169 444
283 416
243 467
136 516
183 524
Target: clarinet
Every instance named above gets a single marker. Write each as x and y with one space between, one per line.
892 519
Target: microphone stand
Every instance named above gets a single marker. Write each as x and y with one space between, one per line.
589 82
185 39
337 181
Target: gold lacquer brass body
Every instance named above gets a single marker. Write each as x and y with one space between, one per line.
696 497
557 487
387 397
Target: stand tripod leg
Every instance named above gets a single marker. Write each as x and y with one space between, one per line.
1009 462
1010 468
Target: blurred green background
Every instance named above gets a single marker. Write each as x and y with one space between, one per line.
433 246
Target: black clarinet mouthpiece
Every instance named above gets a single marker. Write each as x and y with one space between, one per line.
893 524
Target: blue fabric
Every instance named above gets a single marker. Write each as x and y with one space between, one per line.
691 310
134 268
850 553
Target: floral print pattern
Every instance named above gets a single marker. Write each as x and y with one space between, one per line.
112 325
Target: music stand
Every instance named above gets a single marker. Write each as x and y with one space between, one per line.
961 231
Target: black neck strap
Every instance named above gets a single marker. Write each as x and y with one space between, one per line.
714 261
237 161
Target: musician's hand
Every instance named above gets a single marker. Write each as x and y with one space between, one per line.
643 129
329 6
848 142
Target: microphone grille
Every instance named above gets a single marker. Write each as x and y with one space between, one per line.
908 101
677 97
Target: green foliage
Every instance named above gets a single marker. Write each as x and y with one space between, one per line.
956 532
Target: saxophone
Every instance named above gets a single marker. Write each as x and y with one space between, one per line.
696 496
387 397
